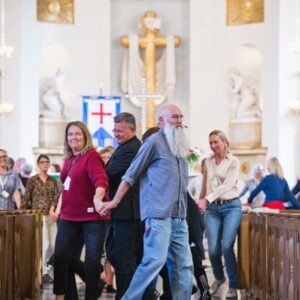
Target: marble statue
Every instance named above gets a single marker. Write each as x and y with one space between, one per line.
52 100
245 95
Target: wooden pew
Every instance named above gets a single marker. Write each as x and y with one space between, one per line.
20 254
269 255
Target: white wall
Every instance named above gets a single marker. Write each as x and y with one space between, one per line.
87 42
289 63
212 48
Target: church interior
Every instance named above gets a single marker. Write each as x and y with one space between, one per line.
88 50
235 69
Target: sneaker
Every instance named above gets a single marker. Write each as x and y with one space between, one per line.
215 286
231 294
110 289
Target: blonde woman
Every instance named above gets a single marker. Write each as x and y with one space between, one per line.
219 200
275 187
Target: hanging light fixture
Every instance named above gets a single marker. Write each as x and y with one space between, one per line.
5 52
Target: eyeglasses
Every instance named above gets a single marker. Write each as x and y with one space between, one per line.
114 131
177 117
44 162
3 157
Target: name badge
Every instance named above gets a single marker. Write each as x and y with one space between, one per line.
90 209
67 183
4 194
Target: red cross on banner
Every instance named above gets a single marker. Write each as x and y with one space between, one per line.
101 114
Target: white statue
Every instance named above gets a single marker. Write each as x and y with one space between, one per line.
245 95
52 98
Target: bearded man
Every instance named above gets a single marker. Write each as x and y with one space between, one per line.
162 169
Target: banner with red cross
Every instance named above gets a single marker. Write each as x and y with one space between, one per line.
98 115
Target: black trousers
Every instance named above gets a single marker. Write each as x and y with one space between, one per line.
124 249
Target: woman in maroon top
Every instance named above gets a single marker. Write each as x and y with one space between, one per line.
85 186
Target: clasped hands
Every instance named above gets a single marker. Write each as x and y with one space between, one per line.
202 204
103 208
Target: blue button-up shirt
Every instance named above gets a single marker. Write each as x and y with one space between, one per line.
163 179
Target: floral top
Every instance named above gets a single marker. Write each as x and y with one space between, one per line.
41 195
9 183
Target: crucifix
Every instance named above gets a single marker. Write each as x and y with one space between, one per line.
144 98
149 42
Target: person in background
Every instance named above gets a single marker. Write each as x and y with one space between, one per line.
85 186
275 187
109 272
106 153
18 163
194 189
162 170
25 172
296 189
11 163
54 168
256 176
223 210
42 193
10 185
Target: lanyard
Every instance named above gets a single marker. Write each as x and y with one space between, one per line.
71 165
3 182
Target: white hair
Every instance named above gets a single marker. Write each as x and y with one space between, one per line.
177 140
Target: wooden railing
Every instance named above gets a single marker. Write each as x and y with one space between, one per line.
269 255
20 254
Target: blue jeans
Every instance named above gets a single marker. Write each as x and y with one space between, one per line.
68 235
164 240
222 223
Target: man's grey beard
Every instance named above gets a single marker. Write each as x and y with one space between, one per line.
177 140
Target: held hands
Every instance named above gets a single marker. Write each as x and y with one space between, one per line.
106 207
202 204
98 204
53 216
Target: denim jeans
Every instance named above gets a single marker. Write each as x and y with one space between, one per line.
94 233
222 222
164 240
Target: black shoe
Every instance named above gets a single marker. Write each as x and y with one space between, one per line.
194 290
110 289
100 288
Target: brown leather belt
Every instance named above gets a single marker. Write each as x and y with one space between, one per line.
221 201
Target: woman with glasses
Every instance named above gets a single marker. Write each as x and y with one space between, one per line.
42 193
10 184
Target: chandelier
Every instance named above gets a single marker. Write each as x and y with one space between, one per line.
5 52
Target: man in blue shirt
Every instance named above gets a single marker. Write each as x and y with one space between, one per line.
162 169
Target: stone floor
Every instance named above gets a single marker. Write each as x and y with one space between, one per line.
48 295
